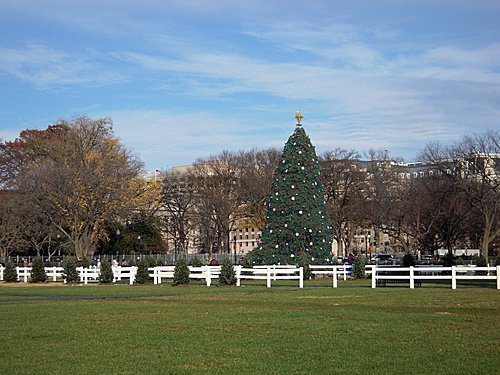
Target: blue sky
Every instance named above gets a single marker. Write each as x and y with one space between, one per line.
190 78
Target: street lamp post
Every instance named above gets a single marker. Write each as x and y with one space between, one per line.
234 246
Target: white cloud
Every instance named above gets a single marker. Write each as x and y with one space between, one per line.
45 67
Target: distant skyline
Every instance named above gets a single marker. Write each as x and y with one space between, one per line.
190 78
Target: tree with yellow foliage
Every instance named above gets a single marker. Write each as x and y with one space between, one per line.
79 174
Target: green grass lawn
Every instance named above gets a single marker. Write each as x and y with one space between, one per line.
57 329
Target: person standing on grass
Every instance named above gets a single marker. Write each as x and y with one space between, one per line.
213 262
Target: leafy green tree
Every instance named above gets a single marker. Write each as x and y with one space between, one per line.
227 275
9 273
181 272
38 274
106 274
70 273
297 216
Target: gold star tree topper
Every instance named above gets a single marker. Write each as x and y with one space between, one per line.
299 118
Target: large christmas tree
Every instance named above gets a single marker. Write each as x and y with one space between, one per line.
297 217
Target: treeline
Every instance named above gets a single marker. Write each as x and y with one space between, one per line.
75 188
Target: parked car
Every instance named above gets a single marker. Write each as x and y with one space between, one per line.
383 259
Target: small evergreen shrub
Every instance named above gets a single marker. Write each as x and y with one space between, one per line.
481 262
10 273
448 260
70 273
106 274
247 260
86 262
227 275
181 272
142 276
195 262
408 260
304 260
150 261
358 267
459 261
38 274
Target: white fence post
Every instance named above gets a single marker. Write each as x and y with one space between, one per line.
155 275
374 277
268 276
498 277
412 278
238 275
301 274
208 276
334 274
453 277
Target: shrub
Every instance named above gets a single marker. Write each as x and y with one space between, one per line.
408 260
86 262
247 260
38 274
448 260
70 273
459 261
10 273
106 274
304 260
481 262
227 275
181 272
142 276
358 268
150 261
195 262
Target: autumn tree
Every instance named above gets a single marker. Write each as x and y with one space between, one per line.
11 225
77 173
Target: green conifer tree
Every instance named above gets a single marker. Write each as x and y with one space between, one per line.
142 276
297 217
227 275
106 273
10 273
181 272
38 274
70 273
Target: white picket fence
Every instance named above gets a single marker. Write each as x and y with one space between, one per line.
412 275
206 273
270 273
336 272
380 275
